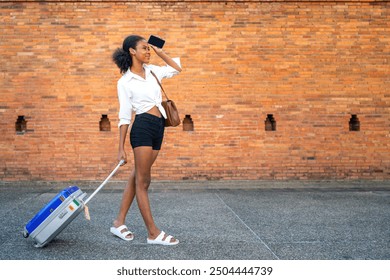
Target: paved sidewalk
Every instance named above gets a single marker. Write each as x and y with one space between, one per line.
232 220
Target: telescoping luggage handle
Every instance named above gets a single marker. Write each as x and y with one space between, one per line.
105 181
86 210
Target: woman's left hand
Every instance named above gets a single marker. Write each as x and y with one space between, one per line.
157 50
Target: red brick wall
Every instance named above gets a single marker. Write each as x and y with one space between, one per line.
311 64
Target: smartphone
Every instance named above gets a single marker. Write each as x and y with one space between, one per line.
155 41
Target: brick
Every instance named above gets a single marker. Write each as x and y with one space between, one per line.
311 64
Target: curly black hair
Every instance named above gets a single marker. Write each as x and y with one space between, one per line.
122 57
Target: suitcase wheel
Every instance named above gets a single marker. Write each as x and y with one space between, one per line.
25 234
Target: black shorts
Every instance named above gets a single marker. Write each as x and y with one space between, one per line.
147 130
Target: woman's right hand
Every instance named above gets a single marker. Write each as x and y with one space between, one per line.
122 156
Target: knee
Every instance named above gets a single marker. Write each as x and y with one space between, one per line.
143 182
132 176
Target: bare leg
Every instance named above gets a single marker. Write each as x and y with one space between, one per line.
127 200
144 158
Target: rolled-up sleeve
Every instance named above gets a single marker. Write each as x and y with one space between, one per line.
125 109
167 71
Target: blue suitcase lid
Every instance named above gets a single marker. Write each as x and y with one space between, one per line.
49 208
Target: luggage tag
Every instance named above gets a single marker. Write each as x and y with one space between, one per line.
86 213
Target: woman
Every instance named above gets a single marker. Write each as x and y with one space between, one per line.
139 91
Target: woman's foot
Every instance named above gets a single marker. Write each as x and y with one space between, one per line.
163 239
122 232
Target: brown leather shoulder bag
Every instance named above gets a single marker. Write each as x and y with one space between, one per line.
173 118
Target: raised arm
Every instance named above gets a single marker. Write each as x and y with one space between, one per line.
168 60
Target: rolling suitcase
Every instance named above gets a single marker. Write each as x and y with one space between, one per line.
59 212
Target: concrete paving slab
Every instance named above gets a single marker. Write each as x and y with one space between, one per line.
223 221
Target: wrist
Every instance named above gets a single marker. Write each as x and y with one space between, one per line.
161 53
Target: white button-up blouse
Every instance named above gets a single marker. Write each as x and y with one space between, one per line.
140 95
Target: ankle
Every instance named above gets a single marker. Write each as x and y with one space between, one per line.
118 223
154 233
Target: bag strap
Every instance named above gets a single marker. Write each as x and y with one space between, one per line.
159 84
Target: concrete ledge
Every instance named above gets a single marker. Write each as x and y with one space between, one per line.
207 185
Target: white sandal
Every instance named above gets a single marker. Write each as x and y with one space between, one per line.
159 240
122 235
